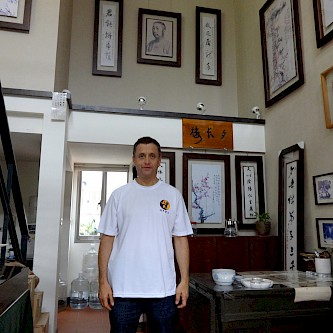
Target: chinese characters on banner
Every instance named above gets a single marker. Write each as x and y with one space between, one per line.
291 215
208 46
249 186
207 134
108 34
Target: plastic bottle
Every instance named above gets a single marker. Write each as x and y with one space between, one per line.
62 294
94 302
79 293
90 264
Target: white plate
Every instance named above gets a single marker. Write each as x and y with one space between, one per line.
256 283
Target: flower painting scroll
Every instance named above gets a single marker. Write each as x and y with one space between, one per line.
206 189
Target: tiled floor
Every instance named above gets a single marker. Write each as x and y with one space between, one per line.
84 321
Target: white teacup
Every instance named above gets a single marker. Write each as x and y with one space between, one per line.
323 265
223 276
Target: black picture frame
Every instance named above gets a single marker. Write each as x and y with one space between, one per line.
107 46
256 203
22 22
324 31
324 227
291 206
281 50
169 54
323 188
208 56
223 185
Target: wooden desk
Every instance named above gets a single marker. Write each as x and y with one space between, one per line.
234 308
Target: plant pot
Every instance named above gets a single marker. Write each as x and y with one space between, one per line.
263 228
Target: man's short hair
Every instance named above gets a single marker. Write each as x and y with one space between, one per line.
146 140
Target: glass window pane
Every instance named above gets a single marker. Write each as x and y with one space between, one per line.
90 207
115 179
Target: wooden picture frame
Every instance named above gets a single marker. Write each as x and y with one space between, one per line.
208 55
108 30
323 188
281 49
166 171
326 78
154 50
206 189
324 228
323 18
250 189
21 23
291 206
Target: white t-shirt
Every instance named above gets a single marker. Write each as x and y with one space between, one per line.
144 219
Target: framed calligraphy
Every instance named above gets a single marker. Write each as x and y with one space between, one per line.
159 38
324 232
291 206
323 18
327 92
208 64
199 133
206 189
250 191
108 30
15 15
323 189
281 49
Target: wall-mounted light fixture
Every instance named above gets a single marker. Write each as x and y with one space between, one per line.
142 102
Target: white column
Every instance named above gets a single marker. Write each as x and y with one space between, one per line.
50 212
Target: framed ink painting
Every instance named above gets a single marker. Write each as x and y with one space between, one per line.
206 189
281 49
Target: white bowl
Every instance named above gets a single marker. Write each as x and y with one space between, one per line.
223 276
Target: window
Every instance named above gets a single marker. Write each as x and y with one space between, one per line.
94 186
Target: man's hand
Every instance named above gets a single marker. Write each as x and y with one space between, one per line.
105 296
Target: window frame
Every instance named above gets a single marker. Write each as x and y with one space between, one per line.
78 168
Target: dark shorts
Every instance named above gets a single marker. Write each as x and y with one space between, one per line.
160 312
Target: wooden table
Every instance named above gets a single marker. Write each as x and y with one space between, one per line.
212 308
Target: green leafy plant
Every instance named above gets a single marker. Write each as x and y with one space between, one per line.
264 217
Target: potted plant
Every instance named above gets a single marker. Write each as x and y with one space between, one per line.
263 223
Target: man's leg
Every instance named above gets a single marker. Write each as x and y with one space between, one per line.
125 315
161 314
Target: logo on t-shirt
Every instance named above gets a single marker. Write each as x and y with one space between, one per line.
165 204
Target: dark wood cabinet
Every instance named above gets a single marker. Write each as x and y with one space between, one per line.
242 253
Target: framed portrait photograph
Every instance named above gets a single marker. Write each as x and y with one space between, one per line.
250 189
326 78
206 189
281 49
15 15
208 64
324 232
323 189
108 30
291 206
159 38
323 18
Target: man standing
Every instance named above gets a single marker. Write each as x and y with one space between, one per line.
144 226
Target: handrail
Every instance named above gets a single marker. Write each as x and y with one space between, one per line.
14 186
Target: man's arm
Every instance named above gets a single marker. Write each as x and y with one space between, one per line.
105 291
182 252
